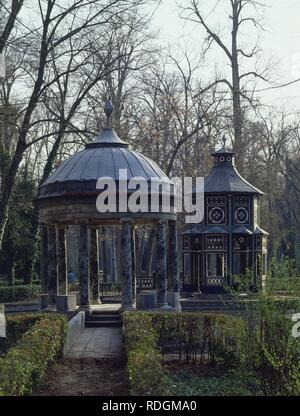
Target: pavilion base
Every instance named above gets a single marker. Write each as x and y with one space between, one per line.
44 301
127 308
163 307
65 303
96 302
146 300
174 300
85 308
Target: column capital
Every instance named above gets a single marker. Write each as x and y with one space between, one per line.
93 227
127 220
162 222
61 226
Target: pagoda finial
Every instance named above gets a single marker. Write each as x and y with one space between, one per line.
108 109
224 140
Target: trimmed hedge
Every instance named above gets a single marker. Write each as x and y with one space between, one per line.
144 361
23 368
19 323
19 293
17 282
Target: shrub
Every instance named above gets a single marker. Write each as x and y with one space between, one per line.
191 335
23 367
19 323
271 350
144 361
19 293
201 336
16 326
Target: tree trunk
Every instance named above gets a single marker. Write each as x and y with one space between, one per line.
236 94
8 187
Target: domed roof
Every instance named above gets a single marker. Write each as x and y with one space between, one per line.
104 157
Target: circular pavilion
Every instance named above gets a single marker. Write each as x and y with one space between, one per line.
69 197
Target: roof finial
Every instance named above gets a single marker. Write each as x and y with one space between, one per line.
108 109
224 140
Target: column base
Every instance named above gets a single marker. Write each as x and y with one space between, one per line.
174 300
65 303
127 308
96 302
163 306
85 308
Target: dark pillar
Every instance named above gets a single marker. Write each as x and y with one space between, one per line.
84 266
126 265
133 250
173 257
174 288
44 258
52 265
94 265
161 266
229 251
62 261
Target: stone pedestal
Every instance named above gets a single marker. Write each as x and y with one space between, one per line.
65 303
174 300
44 301
146 300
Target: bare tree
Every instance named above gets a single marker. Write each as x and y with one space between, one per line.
174 109
59 24
238 85
7 26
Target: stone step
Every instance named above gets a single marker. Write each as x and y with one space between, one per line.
103 318
102 323
112 300
107 317
105 313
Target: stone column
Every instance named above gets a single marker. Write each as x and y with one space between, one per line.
83 257
52 265
161 266
94 266
229 272
133 250
44 258
126 265
62 261
174 289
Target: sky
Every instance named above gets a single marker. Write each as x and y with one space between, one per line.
280 42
